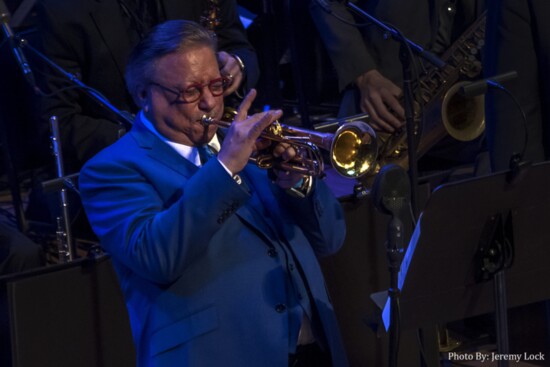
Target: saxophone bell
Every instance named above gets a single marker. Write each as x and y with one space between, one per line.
463 117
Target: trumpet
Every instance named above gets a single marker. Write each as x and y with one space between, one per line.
352 148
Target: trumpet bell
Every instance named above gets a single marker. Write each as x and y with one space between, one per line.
354 149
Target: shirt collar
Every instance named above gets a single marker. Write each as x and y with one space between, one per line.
188 152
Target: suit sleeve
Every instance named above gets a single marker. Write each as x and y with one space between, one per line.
319 216
233 39
344 42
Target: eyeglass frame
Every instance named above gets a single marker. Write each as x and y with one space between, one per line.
200 86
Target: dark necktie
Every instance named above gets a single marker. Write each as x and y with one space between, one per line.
205 153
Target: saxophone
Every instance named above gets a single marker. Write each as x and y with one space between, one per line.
210 18
444 110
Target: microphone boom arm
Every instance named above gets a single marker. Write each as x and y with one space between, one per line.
122 117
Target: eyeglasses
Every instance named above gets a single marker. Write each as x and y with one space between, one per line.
194 92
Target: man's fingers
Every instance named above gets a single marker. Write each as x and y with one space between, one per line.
394 104
262 144
377 122
289 154
383 115
265 120
236 82
242 111
222 57
285 151
390 118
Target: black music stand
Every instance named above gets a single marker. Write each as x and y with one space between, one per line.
66 315
441 278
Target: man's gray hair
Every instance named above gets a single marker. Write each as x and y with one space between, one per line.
166 38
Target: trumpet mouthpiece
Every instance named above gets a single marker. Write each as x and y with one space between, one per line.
206 120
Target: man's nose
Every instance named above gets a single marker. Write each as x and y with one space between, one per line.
207 100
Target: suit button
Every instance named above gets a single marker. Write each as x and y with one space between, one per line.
272 252
280 308
291 267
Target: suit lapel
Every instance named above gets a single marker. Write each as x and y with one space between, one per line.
160 151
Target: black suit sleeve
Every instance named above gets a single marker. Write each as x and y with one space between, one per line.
232 39
344 42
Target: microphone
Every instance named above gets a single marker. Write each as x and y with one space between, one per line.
391 193
391 190
5 17
479 87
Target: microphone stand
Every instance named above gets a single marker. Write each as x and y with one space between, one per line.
394 252
407 46
124 118
66 246
390 195
5 146
412 132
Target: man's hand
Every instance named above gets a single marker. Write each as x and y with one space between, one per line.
380 99
286 179
242 138
230 68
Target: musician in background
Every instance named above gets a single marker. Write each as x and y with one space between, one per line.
367 60
519 40
93 38
217 261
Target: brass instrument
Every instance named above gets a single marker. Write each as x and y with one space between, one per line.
352 148
210 18
445 111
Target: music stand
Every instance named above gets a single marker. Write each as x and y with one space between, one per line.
66 315
440 277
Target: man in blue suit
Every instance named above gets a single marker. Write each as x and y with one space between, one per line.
218 262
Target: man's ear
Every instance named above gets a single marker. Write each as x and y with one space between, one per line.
141 96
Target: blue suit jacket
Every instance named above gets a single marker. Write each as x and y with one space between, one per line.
210 269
